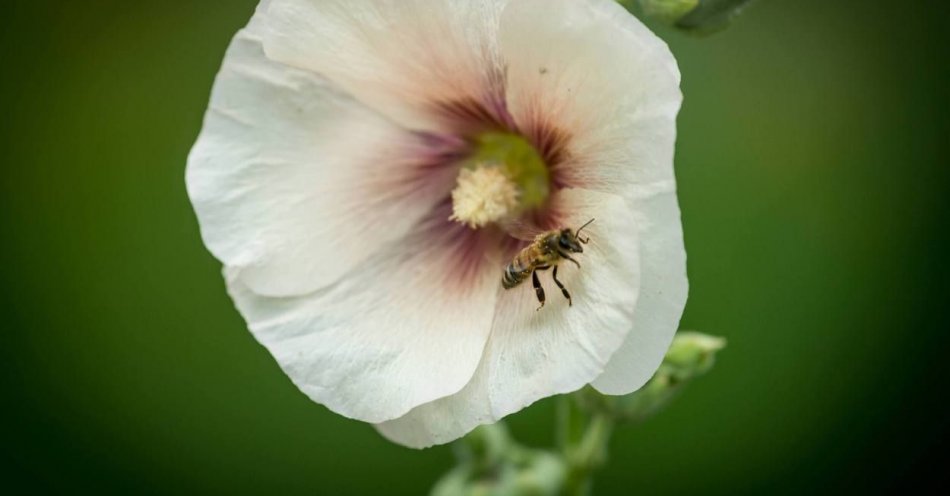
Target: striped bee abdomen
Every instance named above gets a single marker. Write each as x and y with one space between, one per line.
514 275
520 268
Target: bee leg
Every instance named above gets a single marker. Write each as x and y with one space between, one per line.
568 257
538 290
563 289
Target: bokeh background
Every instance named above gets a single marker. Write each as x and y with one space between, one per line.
813 174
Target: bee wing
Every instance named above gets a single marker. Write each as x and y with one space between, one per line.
523 229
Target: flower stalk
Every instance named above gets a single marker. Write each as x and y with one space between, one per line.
589 454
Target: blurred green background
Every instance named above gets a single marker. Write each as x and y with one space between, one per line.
813 173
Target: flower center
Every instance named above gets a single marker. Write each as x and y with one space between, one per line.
503 177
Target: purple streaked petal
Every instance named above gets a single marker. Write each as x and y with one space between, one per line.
290 177
398 57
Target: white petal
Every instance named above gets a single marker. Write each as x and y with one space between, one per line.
663 291
534 354
603 81
400 57
291 179
407 328
612 87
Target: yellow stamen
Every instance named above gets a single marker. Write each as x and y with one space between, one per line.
503 177
483 195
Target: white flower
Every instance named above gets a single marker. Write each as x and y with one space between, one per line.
340 131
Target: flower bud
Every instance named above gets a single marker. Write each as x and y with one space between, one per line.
691 355
491 463
701 16
668 11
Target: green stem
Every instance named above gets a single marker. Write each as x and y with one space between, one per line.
589 454
571 421
593 447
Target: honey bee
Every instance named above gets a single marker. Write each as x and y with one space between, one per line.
546 251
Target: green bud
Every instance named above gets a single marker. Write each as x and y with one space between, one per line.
691 355
668 11
525 472
711 15
491 463
698 16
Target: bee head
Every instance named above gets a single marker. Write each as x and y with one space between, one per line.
569 241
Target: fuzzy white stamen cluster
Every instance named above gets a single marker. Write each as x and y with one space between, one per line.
483 195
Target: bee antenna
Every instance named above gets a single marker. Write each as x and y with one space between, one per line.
582 227
578 233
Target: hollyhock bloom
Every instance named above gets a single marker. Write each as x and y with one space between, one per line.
368 168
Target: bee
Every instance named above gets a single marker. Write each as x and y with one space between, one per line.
546 251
